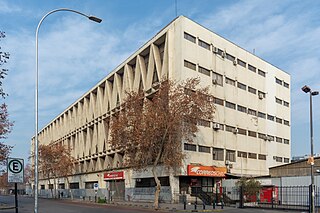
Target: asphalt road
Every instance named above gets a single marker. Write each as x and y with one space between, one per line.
26 205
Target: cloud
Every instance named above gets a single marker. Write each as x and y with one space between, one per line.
6 8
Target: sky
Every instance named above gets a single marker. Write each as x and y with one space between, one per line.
75 54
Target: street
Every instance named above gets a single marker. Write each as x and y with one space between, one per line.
26 205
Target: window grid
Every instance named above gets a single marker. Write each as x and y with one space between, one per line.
190 65
189 37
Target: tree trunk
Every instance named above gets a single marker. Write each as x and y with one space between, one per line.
158 188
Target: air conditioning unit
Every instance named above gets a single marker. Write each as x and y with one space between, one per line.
235 131
234 62
214 81
227 162
215 49
216 126
261 96
223 54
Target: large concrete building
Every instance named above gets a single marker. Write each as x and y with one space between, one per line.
250 132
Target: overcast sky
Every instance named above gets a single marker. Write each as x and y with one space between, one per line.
75 53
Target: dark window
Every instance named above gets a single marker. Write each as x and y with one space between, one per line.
42 187
218 154
278 159
286 160
230 57
252 155
149 182
231 155
218 101
278 101
230 105
270 138
242 131
74 185
242 109
190 37
89 185
286 103
189 65
285 84
285 122
204 123
271 117
262 115
204 71
217 79
230 81
204 44
242 86
252 68
279 140
230 129
262 157
252 134
50 186
204 149
252 112
190 147
262 136
241 63
252 90
262 73
220 52
285 141
279 120
261 94
278 81
242 154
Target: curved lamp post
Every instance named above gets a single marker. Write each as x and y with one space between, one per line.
36 143
307 89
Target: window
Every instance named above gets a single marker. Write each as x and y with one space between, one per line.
204 123
230 129
252 90
252 134
204 71
271 117
74 185
262 136
89 185
270 138
149 182
279 120
252 112
50 186
242 86
262 73
42 187
242 109
285 122
286 103
241 63
261 94
217 79
252 68
242 154
218 154
278 81
278 101
189 37
285 84
285 141
279 140
230 105
262 115
262 157
286 160
220 52
190 147
278 159
230 57
204 44
230 81
189 65
218 101
204 149
242 131
252 155
231 155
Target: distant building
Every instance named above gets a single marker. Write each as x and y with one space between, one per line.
250 133
302 157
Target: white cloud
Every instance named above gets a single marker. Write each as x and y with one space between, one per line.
6 8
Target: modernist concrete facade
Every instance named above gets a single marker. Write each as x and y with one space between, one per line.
250 132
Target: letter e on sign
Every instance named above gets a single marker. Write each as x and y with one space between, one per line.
15 170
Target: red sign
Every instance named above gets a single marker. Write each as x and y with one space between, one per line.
206 171
113 175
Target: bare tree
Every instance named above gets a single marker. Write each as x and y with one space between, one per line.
150 129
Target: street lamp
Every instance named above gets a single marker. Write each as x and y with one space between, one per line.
36 144
307 89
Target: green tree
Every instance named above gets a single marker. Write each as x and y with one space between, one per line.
250 186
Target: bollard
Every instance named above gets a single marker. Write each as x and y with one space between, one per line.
195 204
204 205
95 198
222 204
105 199
214 204
184 205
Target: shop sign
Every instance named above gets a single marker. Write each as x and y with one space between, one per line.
206 171
114 175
